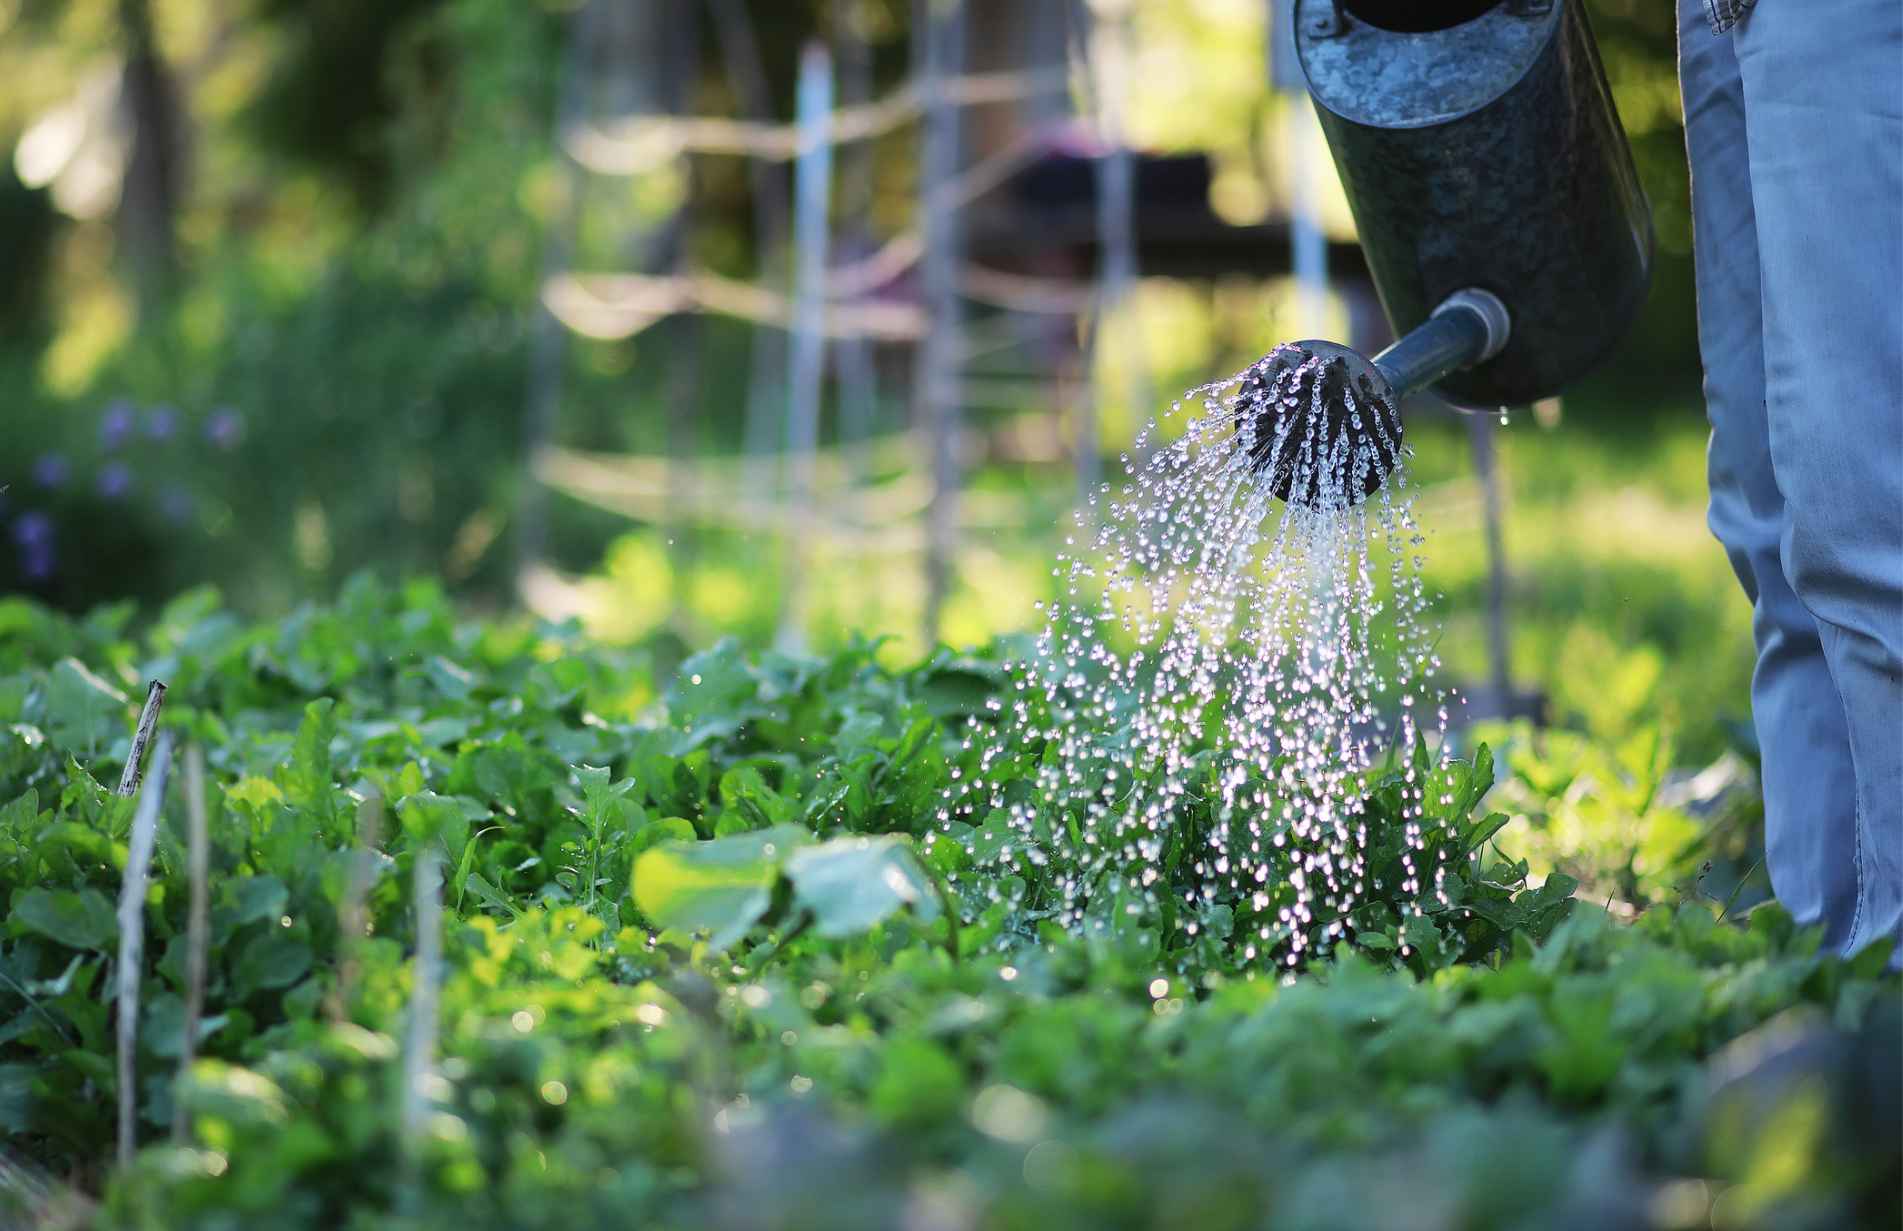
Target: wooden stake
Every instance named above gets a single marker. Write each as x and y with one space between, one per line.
148 723
198 920
420 1051
145 826
1499 655
939 34
740 55
858 378
352 917
806 372
549 341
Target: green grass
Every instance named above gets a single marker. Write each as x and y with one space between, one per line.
1624 611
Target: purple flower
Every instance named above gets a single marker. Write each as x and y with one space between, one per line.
225 428
115 426
36 563
115 480
33 533
33 527
51 470
161 422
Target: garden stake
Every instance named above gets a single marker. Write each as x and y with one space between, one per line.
352 917
197 922
145 825
420 1048
148 723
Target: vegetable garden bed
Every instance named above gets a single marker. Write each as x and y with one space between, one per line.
708 961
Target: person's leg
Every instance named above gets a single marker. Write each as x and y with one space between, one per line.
1809 783
1823 99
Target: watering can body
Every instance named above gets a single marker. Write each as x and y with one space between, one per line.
1484 152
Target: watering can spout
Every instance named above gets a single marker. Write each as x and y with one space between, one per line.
1315 399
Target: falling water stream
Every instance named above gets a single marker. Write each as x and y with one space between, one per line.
1196 723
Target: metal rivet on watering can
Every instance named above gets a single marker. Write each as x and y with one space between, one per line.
1329 21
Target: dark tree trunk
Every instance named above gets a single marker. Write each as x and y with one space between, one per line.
154 179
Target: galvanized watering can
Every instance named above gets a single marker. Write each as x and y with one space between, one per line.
1495 197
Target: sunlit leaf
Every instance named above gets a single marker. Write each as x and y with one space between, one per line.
852 884
722 887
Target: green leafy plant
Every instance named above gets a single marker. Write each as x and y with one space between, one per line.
712 961
840 888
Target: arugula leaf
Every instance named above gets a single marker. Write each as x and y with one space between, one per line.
76 918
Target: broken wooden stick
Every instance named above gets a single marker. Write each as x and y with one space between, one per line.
148 723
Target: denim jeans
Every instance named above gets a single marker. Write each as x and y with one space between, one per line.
1794 123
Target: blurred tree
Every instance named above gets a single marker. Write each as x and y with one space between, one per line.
30 225
154 175
330 99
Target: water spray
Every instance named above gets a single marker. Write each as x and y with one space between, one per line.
1503 222
1241 628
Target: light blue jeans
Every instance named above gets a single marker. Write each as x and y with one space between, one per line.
1794 121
